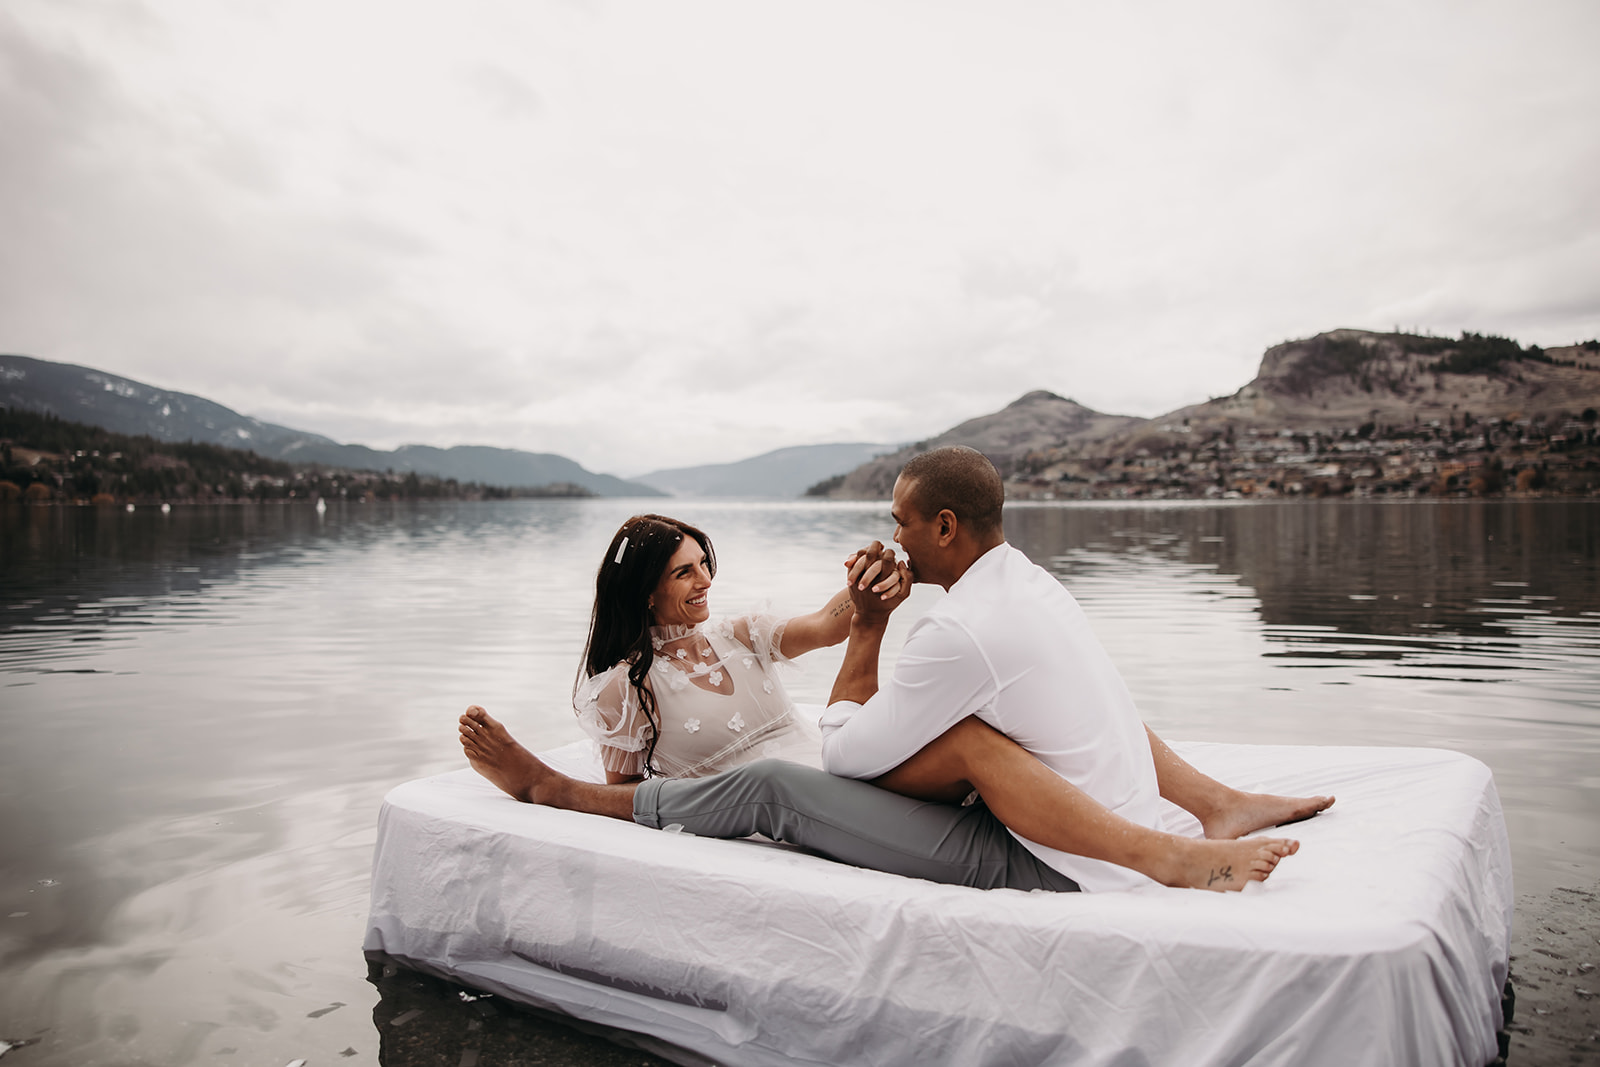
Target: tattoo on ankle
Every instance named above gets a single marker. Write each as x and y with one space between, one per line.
1224 875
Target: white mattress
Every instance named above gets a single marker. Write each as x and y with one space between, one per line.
1384 941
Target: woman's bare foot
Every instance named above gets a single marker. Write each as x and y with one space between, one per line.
1246 813
496 755
1226 866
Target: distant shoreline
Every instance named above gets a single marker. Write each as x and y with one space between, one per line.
659 503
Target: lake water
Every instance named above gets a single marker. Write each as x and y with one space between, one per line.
202 710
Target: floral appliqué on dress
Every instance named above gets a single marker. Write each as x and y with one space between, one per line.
736 723
692 725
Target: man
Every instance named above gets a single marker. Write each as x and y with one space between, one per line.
1057 830
1010 646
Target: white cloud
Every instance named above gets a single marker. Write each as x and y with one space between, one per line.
715 229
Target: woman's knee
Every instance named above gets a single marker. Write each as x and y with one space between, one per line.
774 778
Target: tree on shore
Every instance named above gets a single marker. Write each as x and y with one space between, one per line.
46 458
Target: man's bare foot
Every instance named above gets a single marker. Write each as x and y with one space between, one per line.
1246 813
1226 866
496 755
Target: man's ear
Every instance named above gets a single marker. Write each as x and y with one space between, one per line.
947 527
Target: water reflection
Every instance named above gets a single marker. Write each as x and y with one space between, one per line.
1466 625
1403 577
203 709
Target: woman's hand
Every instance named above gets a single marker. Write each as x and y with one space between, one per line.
882 574
877 582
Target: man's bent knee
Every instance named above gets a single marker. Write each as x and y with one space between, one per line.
973 730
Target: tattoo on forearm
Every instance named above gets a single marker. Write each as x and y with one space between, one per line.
1224 875
840 608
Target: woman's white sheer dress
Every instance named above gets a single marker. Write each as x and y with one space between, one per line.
717 695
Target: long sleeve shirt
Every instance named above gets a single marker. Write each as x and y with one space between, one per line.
1010 645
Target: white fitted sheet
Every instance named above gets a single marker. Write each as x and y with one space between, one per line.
1385 940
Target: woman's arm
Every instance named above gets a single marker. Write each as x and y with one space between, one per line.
618 778
831 623
826 626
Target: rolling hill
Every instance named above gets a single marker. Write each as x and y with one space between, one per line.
122 405
782 473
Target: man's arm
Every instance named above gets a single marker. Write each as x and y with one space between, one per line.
876 584
858 674
940 679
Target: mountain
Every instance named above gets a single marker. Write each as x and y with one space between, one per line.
784 472
1034 421
467 463
1356 412
1421 412
121 405
1345 378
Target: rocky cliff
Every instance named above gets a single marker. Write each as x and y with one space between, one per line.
1344 382
1344 378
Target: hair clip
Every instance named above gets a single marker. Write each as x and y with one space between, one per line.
623 547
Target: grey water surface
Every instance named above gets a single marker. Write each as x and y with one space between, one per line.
202 710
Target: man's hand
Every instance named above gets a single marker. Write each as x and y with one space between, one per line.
877 582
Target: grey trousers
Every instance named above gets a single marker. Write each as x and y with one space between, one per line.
849 821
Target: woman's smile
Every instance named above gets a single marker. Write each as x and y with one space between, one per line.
680 596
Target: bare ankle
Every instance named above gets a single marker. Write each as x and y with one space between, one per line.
1217 803
549 790
1173 865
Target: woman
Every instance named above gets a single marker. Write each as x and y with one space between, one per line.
665 691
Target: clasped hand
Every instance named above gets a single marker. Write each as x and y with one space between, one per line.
877 581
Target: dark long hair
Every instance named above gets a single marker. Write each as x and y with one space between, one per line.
619 625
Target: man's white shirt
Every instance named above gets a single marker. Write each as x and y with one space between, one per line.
1010 645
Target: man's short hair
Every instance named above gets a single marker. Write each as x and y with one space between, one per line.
961 479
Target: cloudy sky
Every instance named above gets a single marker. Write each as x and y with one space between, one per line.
657 234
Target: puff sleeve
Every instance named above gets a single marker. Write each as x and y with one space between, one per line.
609 711
761 634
